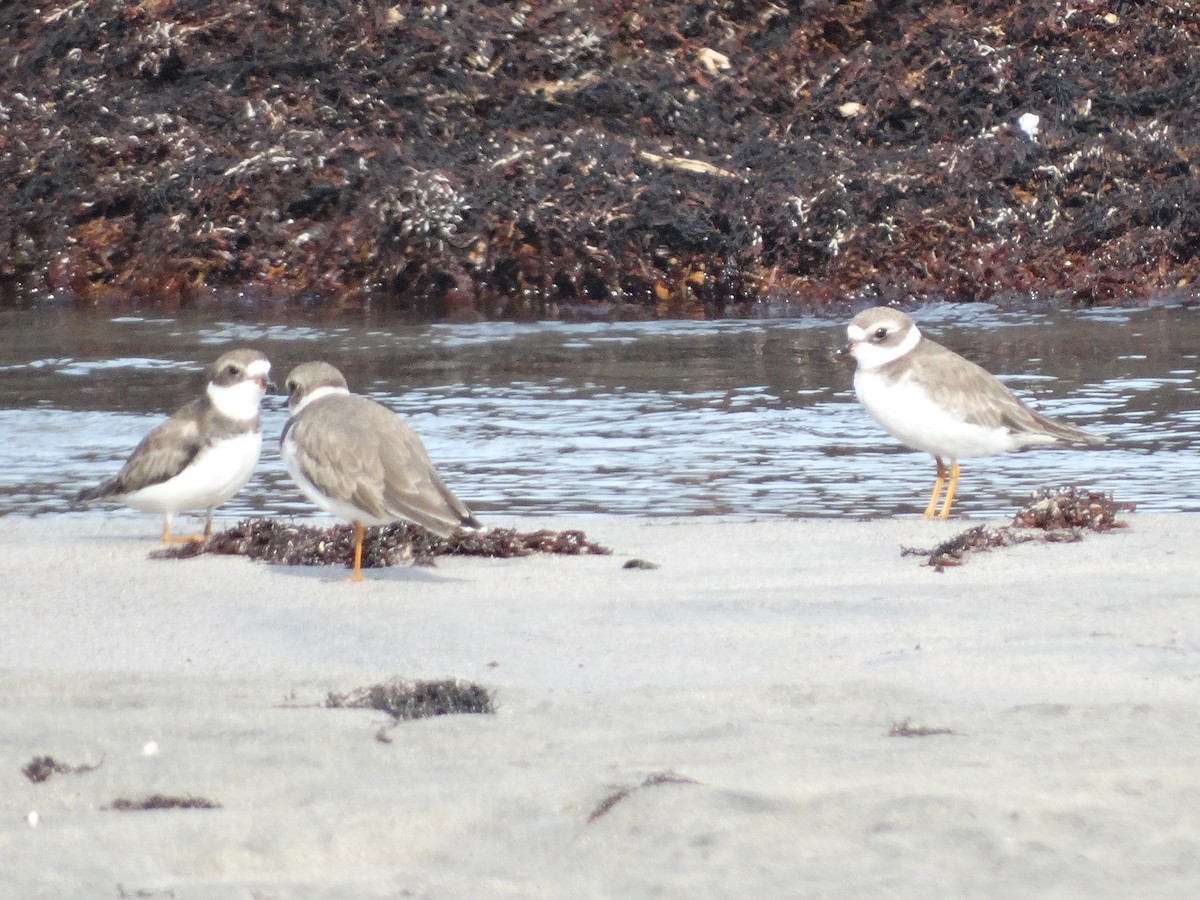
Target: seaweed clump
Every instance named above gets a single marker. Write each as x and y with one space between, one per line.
908 730
1071 509
653 780
1051 516
404 700
564 159
40 768
286 543
162 801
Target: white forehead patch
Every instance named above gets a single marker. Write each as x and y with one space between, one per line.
260 368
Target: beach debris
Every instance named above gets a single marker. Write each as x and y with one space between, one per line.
639 564
908 729
33 818
657 778
150 748
40 768
404 700
288 543
1028 123
712 61
953 552
1061 515
163 801
1071 508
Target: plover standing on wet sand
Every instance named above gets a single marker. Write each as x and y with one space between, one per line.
934 400
203 454
358 461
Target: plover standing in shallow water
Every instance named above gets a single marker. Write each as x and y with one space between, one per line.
358 461
934 400
203 454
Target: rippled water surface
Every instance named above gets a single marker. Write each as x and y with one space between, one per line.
754 418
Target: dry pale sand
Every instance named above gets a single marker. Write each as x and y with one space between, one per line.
765 663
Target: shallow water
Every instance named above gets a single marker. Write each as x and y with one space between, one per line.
744 418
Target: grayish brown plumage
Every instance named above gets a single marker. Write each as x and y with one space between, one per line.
204 453
359 461
932 399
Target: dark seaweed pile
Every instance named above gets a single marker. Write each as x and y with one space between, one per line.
1062 515
404 700
483 159
286 543
162 801
1071 507
40 768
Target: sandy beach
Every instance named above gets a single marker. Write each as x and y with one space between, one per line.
719 726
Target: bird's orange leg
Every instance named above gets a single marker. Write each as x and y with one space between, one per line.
358 542
950 488
937 488
169 538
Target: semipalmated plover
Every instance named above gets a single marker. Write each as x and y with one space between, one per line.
934 400
358 461
203 454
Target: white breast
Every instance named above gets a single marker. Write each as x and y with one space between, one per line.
241 401
907 413
215 475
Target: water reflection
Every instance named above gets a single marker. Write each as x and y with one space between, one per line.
735 418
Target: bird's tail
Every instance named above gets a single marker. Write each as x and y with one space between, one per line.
93 493
1070 434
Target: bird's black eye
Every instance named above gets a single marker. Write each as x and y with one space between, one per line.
880 333
231 369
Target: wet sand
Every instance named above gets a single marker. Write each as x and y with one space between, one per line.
719 726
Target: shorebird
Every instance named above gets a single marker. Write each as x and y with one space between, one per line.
203 454
934 400
359 461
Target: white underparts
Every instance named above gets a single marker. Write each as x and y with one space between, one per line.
240 401
216 474
906 411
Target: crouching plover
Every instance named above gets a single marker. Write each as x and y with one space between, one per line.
203 454
358 461
932 399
